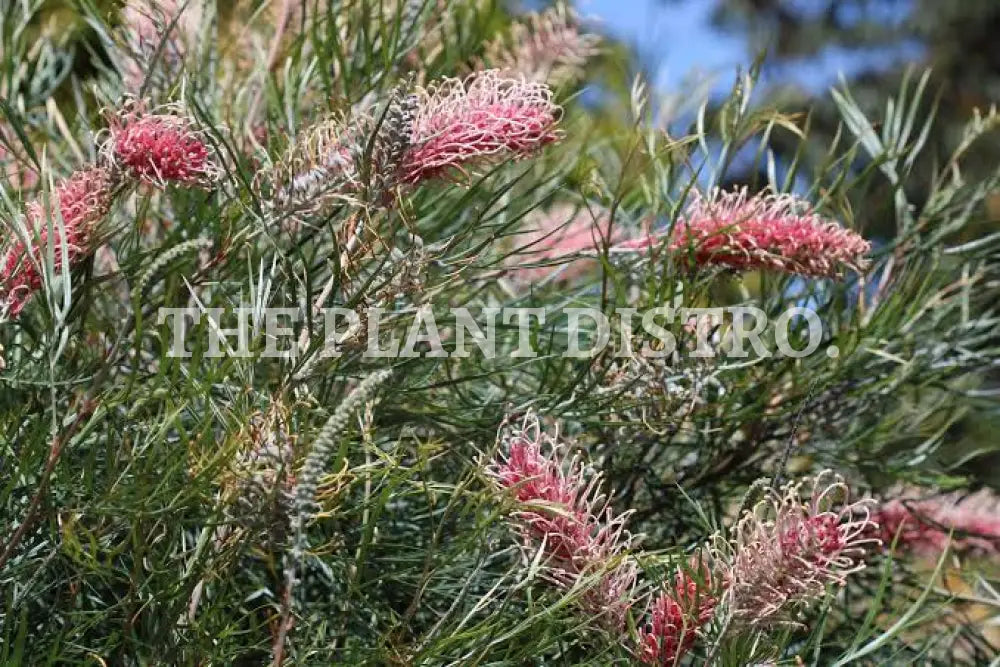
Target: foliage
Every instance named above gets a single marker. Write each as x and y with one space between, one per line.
319 508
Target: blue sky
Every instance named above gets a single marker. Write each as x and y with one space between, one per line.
677 40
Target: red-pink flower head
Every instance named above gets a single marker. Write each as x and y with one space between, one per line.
776 231
565 514
485 118
77 205
675 618
926 526
160 148
786 550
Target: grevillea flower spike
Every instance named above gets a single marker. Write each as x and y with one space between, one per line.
675 618
80 202
564 513
260 485
762 231
159 148
485 118
787 549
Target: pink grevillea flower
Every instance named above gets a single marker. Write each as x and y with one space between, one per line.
675 618
485 118
787 550
80 202
564 513
563 235
777 231
926 526
547 47
160 148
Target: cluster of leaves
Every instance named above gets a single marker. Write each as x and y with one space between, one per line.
318 509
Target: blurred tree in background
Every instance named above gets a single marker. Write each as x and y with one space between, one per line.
956 39
887 41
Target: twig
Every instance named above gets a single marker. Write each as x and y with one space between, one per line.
792 436
284 624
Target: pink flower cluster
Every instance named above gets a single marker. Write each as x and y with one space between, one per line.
157 148
80 201
160 148
676 617
566 515
440 131
776 231
786 551
928 525
481 119
780 559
